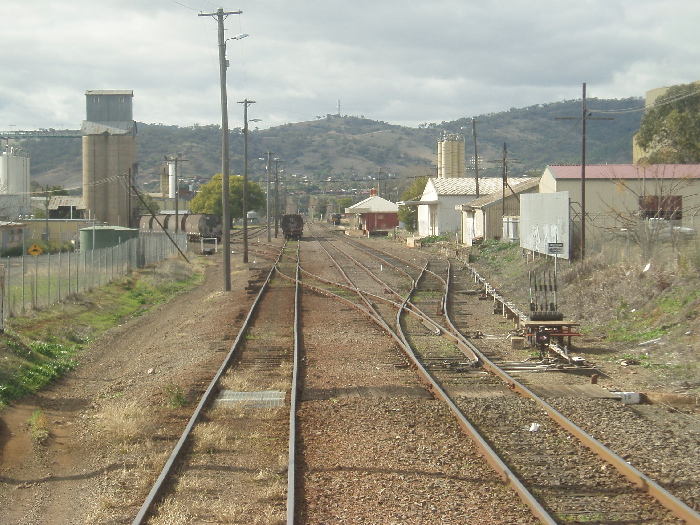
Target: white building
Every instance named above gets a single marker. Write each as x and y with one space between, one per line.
436 208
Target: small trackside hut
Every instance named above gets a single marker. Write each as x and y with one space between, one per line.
374 216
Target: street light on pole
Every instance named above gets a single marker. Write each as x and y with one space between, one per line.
220 15
277 200
269 173
246 103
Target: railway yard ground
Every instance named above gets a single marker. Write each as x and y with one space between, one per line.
111 423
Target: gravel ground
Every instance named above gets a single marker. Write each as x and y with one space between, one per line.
110 423
111 428
393 460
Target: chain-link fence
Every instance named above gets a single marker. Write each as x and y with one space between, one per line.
30 282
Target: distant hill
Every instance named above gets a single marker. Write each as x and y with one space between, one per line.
347 151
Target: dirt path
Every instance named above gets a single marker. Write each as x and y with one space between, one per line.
78 476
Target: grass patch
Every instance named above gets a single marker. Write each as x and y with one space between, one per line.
42 346
175 396
28 367
627 332
38 427
127 422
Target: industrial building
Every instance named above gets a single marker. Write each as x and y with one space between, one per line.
15 199
496 215
450 152
109 157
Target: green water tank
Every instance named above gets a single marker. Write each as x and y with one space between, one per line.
105 236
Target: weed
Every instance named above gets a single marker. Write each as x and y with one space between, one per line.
431 239
38 427
176 396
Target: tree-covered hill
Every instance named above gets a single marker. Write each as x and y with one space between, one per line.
347 151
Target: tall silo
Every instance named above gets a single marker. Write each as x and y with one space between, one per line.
451 156
109 156
14 180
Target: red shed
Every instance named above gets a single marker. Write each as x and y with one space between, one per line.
374 214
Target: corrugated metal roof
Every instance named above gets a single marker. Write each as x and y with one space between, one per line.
66 201
111 128
511 190
110 92
626 171
373 204
467 186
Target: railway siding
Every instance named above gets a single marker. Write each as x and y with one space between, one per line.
387 452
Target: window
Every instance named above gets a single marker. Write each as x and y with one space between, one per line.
656 207
96 100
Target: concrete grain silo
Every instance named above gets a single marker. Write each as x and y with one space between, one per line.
14 183
109 156
451 156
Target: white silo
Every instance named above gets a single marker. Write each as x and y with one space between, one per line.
14 177
451 156
172 179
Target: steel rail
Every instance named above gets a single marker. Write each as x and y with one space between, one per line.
457 337
158 487
361 294
666 499
489 454
291 460
636 477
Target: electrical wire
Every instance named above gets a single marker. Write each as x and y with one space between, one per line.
664 102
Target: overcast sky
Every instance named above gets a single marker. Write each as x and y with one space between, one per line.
401 62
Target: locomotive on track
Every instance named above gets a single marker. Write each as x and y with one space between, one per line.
292 226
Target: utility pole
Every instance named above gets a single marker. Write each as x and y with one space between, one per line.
46 201
245 103
269 174
174 161
277 192
220 16
584 117
476 159
505 181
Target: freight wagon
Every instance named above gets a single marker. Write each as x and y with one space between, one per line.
197 226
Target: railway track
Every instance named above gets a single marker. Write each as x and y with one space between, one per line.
585 488
235 446
377 442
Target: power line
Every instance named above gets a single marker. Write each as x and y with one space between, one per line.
185 6
664 102
585 116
